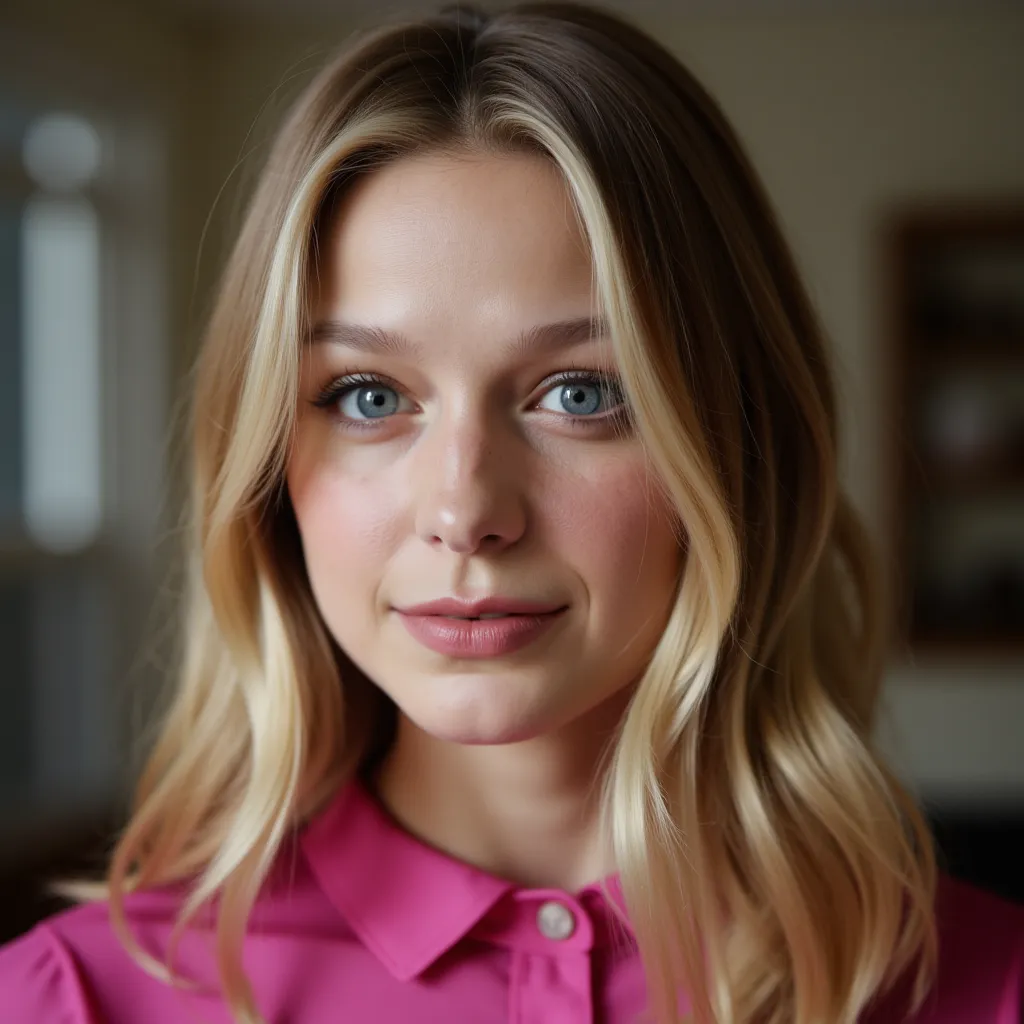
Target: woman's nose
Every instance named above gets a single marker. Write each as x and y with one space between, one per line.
469 487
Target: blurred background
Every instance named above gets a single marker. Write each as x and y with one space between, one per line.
889 135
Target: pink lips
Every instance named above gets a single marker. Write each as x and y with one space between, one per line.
450 627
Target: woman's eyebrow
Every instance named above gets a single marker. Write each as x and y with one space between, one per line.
558 335
380 341
376 340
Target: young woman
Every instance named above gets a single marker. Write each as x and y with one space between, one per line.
531 649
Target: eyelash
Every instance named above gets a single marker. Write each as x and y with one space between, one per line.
340 386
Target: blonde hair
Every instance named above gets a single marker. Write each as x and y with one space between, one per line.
774 870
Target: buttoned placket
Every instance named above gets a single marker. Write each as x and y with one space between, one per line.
550 978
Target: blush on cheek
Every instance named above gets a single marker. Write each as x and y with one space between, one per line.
616 523
346 522
613 498
350 530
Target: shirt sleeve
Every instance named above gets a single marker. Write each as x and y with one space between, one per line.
39 982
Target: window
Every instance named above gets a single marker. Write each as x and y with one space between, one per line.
82 343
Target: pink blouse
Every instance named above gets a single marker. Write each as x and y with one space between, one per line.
361 922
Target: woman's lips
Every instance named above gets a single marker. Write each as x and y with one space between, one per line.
458 637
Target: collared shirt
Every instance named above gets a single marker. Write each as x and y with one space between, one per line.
362 923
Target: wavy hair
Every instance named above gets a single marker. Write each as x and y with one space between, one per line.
773 868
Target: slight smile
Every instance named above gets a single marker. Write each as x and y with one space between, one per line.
488 628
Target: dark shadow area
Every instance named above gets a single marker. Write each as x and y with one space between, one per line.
80 851
986 850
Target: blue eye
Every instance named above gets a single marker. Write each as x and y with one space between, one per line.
371 402
582 396
363 397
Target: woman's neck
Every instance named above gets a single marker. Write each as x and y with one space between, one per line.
527 811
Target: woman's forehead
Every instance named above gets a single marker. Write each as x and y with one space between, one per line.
485 234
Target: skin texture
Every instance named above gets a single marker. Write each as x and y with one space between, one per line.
479 483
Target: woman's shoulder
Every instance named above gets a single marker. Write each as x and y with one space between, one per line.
980 935
73 969
65 968
980 976
41 976
960 906
981 938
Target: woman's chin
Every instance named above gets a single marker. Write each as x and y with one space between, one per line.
470 712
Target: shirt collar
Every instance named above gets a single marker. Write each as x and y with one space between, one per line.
407 902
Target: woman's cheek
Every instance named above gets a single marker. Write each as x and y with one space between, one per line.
618 528
355 519
349 515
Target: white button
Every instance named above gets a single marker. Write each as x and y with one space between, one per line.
555 921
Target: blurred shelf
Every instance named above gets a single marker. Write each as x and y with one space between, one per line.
956 345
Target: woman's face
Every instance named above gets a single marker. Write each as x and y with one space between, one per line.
461 438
